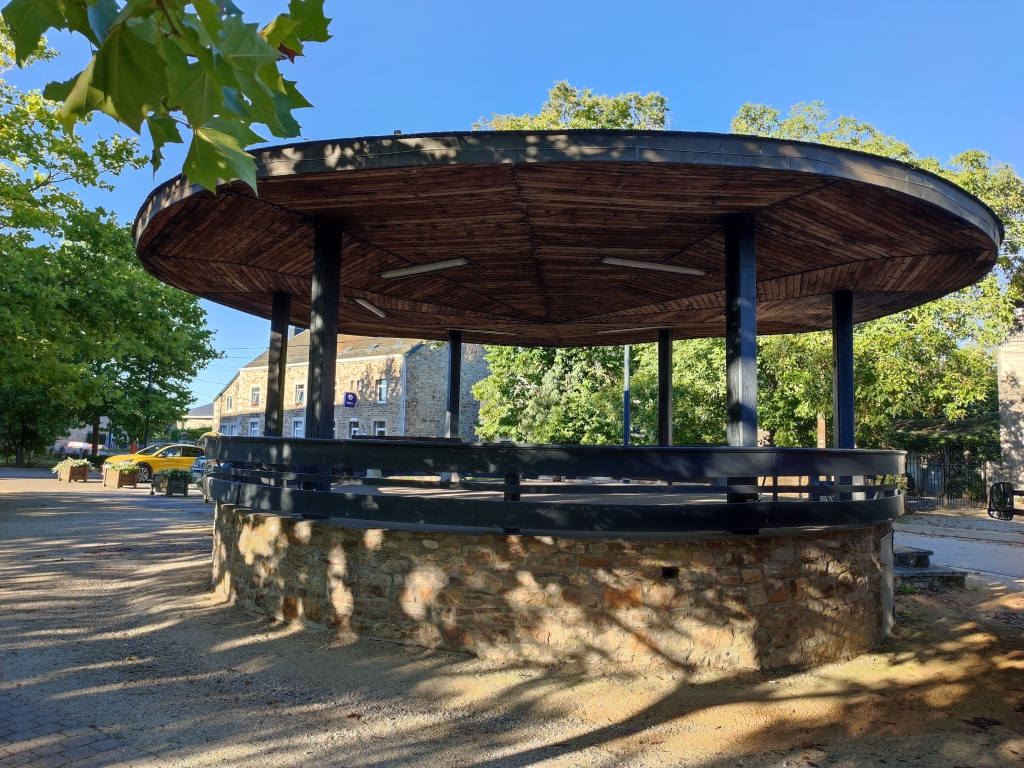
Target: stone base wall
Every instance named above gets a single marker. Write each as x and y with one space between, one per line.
740 603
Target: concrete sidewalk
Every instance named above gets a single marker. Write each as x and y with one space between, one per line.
959 533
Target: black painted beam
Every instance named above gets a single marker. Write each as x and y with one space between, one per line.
538 518
323 330
277 364
432 456
451 416
740 330
842 369
665 386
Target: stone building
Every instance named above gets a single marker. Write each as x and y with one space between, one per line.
200 417
1010 362
400 385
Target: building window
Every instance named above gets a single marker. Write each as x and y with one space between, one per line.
255 403
382 390
298 428
233 430
353 427
229 403
254 427
379 429
300 394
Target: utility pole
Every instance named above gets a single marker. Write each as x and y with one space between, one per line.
149 393
625 398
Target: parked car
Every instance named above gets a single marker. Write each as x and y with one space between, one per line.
198 468
158 457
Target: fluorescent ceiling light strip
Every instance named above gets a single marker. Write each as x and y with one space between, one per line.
654 266
630 330
420 269
493 333
367 305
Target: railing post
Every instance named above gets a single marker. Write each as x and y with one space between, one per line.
277 363
512 482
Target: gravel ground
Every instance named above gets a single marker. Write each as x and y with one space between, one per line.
107 619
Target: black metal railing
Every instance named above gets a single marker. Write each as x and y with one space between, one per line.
947 479
556 489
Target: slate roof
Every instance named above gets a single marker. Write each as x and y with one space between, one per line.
348 347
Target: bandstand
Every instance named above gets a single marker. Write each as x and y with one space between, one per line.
737 556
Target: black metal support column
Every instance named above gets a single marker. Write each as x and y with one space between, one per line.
451 416
842 369
665 386
740 330
740 339
323 330
277 363
842 378
625 396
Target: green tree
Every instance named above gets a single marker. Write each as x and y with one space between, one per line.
552 395
78 314
931 362
204 70
30 421
569 107
934 361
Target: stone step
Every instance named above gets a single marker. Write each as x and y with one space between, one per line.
932 577
911 557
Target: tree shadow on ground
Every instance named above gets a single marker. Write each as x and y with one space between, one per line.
107 616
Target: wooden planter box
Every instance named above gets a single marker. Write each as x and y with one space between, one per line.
168 486
69 474
114 479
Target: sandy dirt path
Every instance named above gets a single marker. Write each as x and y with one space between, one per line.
107 618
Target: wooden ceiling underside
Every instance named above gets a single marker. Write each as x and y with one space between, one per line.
534 234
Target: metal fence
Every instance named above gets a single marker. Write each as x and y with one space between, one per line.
950 480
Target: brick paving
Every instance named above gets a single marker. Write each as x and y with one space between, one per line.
31 736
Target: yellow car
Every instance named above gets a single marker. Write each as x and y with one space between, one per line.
159 457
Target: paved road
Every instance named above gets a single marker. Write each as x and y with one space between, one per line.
984 556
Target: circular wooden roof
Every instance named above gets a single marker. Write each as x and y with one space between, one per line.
534 216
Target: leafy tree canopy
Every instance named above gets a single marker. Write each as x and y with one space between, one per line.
79 317
934 362
569 107
194 65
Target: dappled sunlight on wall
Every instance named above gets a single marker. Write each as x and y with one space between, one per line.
739 603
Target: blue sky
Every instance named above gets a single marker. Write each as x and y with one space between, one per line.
942 76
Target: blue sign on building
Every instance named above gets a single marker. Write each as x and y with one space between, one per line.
350 400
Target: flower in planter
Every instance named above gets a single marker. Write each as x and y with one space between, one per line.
68 464
124 467
174 474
